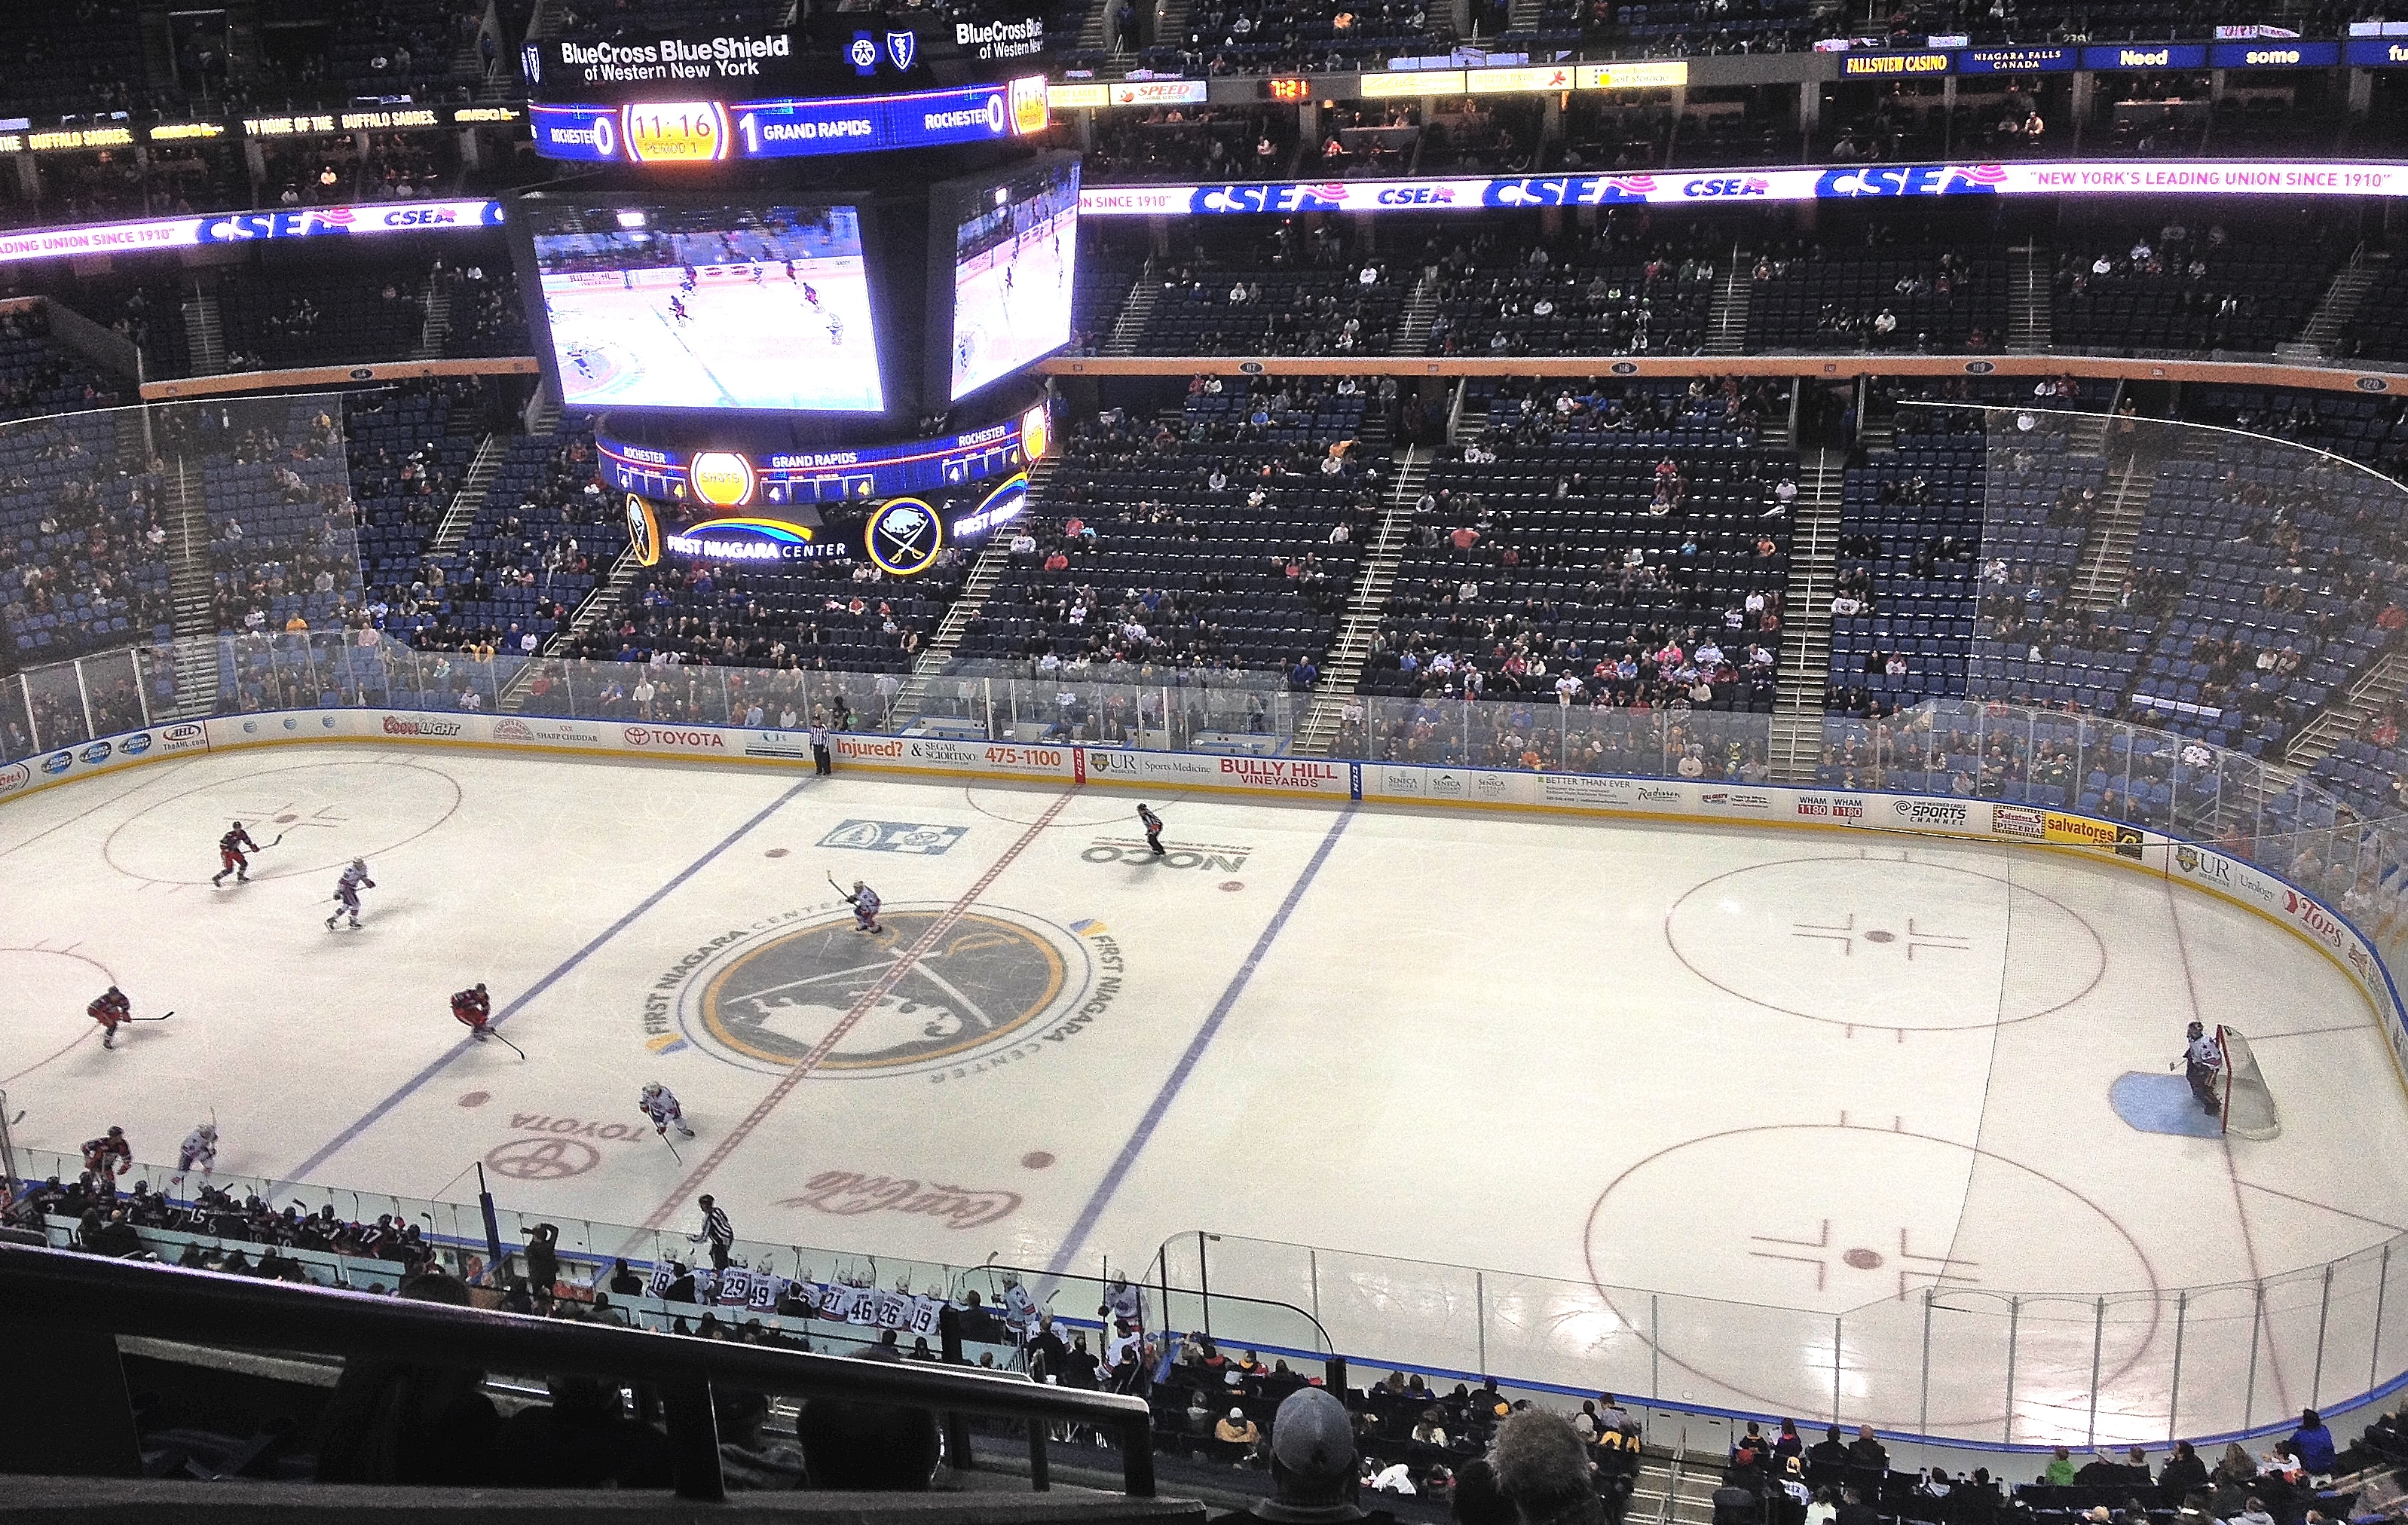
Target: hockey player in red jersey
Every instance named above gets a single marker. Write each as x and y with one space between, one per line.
473 1008
108 1155
231 848
109 1009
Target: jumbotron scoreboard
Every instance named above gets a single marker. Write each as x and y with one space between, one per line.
804 277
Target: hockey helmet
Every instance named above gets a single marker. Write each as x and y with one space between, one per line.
652 1088
858 885
206 1130
116 1132
359 862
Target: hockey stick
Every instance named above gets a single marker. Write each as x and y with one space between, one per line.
673 1148
832 885
160 1018
511 1046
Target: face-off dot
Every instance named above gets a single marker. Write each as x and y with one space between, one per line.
775 852
1036 1159
475 1098
1863 1259
1233 884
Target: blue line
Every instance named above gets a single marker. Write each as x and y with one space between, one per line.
409 1086
1111 1184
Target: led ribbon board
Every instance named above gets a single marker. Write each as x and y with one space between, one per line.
733 480
248 227
668 132
2087 178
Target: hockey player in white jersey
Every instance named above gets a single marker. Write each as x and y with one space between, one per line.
347 894
660 1104
200 1149
865 904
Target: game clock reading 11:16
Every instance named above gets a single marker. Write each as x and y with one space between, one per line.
676 132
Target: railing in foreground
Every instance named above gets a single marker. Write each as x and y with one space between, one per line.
67 1400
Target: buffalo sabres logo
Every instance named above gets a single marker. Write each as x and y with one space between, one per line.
904 537
904 49
643 532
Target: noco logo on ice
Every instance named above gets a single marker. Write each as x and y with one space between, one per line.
998 987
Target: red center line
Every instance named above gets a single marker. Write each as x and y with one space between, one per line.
862 1007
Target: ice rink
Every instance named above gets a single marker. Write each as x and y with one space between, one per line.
746 346
1811 1070
1011 304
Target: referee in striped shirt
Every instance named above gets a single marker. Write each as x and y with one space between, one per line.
716 1229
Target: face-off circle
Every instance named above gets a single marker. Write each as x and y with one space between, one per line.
329 813
995 979
1888 1216
1869 942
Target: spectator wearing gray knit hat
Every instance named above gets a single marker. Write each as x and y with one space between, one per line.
1312 1466
1543 1471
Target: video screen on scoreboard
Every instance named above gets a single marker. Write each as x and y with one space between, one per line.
732 308
1016 248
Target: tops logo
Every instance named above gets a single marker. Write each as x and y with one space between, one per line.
648 735
1913 180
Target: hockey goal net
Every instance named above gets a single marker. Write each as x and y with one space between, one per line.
2249 1110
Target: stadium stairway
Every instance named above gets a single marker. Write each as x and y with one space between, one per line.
1804 683
1128 327
193 589
2107 553
2338 307
2382 685
437 327
203 334
986 573
2031 327
1343 673
1726 321
470 497
1413 332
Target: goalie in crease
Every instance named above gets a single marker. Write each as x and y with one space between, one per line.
2202 1061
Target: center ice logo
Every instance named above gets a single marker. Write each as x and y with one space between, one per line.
992 988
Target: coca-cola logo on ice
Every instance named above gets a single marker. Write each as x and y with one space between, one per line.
652 736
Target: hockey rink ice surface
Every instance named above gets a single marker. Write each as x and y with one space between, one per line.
1816 1070
746 345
